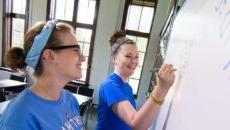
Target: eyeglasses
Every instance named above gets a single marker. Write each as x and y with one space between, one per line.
64 47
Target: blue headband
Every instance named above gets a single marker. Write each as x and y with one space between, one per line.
39 44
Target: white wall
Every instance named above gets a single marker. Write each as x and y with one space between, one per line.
108 21
1 9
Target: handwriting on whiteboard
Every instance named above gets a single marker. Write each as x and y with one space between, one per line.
223 10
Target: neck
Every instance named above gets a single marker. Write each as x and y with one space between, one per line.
123 77
48 87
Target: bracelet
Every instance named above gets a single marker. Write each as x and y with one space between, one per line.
155 100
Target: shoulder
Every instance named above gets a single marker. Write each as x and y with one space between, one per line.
23 100
111 92
67 93
110 85
111 82
22 103
17 115
69 97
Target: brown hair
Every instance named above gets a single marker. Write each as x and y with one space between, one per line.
115 36
15 56
117 40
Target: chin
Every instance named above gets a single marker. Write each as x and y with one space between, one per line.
130 74
78 76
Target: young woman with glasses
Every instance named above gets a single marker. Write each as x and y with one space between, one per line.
53 51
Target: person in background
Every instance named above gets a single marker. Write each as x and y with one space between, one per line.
11 60
52 50
117 107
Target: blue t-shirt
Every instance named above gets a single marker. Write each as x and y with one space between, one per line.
31 112
112 91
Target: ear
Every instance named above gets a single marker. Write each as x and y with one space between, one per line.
48 55
113 59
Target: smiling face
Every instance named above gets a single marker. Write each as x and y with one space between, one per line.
69 60
126 60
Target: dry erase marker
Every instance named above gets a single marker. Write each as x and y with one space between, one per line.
157 69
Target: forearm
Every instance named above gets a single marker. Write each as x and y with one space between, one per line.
148 112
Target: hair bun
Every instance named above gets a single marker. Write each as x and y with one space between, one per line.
116 35
14 58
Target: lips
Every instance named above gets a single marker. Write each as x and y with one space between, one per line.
79 66
132 67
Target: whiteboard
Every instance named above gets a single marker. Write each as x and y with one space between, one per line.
199 47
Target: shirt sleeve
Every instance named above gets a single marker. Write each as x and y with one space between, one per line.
112 93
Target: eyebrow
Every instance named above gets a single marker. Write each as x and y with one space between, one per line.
130 53
64 47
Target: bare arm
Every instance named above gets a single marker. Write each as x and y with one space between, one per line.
142 119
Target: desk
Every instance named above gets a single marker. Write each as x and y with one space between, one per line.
8 83
12 86
81 98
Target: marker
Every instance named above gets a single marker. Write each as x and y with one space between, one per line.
157 69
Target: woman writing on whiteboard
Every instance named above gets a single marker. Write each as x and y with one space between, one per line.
117 108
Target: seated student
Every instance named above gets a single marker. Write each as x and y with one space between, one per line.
53 51
117 107
11 60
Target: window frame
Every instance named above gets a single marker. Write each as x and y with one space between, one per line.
8 16
75 25
137 33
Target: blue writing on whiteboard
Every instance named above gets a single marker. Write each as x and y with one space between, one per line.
227 65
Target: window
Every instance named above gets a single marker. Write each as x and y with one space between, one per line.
15 17
137 22
161 50
82 15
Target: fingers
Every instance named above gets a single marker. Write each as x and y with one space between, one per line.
163 67
169 68
166 68
166 75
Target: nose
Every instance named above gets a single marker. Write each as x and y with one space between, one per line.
82 57
134 60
